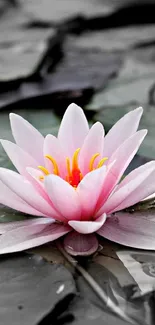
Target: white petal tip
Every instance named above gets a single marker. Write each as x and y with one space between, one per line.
140 108
13 117
73 106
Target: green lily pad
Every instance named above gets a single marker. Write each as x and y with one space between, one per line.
10 215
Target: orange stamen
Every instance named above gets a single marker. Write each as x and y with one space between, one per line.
74 175
92 161
55 165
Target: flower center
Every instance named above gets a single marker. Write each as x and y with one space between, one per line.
74 175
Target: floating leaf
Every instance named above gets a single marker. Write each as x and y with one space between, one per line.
9 215
115 39
30 288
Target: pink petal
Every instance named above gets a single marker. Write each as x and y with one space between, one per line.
93 144
64 197
53 148
40 188
8 226
89 190
118 163
132 189
31 236
150 197
78 244
121 131
135 230
10 199
73 129
27 137
20 158
88 227
26 192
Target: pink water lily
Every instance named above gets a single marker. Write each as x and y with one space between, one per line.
71 184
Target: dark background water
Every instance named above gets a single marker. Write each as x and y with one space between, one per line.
99 54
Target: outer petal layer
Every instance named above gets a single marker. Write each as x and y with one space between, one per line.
20 158
10 199
64 197
118 163
78 244
31 236
8 226
26 192
88 227
27 137
132 189
73 129
121 131
129 229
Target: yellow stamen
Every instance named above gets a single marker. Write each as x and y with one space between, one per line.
55 165
41 178
101 162
92 161
44 170
75 159
68 167
81 176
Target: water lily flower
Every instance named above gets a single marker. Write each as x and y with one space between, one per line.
73 184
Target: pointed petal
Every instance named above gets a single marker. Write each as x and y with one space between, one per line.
31 236
64 197
73 129
122 130
27 137
93 144
88 227
78 244
19 157
8 226
40 188
133 189
118 163
89 190
130 229
53 148
10 199
24 189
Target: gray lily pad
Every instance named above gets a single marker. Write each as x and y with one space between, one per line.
30 288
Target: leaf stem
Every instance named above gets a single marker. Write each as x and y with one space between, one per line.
94 285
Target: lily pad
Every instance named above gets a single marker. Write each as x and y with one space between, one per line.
55 10
115 39
21 48
30 288
88 309
129 90
10 215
